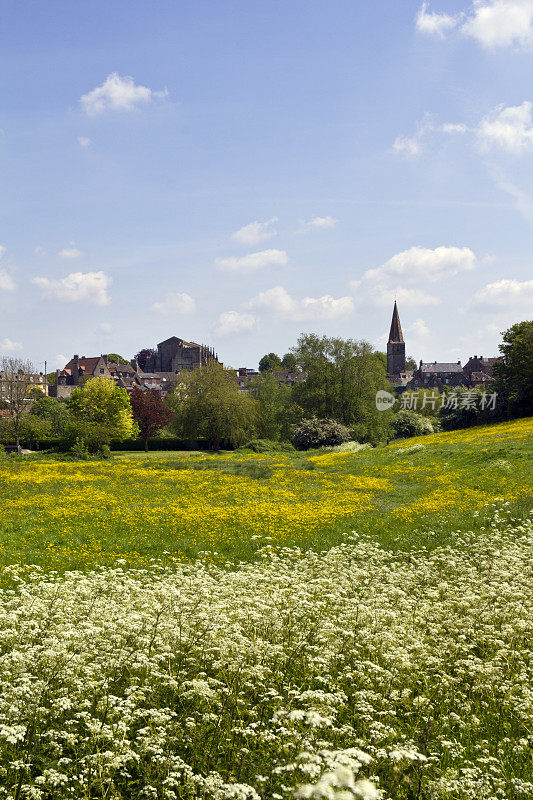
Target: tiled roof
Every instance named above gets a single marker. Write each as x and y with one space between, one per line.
88 365
441 367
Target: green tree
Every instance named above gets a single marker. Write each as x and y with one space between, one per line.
514 372
289 362
410 363
269 362
208 404
54 412
342 378
115 358
277 411
101 411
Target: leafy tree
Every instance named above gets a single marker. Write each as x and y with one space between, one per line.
463 406
149 412
209 404
319 433
514 373
115 358
410 363
54 412
277 411
143 355
289 362
409 423
269 362
101 411
342 378
15 376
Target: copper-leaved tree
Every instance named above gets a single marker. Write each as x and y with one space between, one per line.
149 412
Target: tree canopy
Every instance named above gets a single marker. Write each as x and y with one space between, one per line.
269 361
514 373
102 411
149 412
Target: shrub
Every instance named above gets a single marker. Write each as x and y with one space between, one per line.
315 432
409 423
267 446
79 449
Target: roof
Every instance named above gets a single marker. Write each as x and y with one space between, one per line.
395 334
441 366
121 368
88 365
482 377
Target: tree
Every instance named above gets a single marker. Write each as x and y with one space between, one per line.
269 362
342 379
15 377
410 363
514 372
289 362
101 412
54 412
143 355
149 412
114 358
277 411
209 404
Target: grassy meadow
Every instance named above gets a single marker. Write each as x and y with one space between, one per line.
136 508
334 625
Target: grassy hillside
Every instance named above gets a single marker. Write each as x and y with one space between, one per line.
66 515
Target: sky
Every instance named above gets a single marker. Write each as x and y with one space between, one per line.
236 172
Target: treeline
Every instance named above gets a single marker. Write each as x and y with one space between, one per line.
332 399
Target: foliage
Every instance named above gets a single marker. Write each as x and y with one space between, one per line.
149 412
208 404
343 377
289 362
462 407
267 446
143 355
277 411
115 358
514 373
411 363
409 423
269 362
302 669
80 450
101 411
54 412
315 432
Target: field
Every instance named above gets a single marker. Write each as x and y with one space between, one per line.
70 515
374 641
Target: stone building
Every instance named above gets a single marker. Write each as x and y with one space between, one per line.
175 355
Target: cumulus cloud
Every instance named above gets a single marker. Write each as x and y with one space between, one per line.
253 261
279 302
232 322
395 278
504 295
175 303
78 287
117 94
8 346
255 232
509 128
432 23
418 328
7 284
70 252
320 223
492 23
83 141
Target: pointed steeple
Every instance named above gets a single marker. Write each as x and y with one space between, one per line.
395 334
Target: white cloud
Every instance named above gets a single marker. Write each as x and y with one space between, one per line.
317 223
70 252
7 346
83 141
418 328
255 232
175 303
279 302
230 322
433 23
253 261
492 23
414 145
510 128
409 146
7 284
117 94
89 287
503 295
60 360
500 23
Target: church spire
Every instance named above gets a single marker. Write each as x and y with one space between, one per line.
395 334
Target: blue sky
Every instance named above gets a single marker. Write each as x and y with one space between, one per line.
236 173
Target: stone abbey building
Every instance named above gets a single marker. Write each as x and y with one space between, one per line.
433 374
176 355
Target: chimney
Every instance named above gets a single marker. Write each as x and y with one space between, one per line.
75 369
105 359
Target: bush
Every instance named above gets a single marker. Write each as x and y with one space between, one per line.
267 446
80 450
105 451
409 423
319 433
